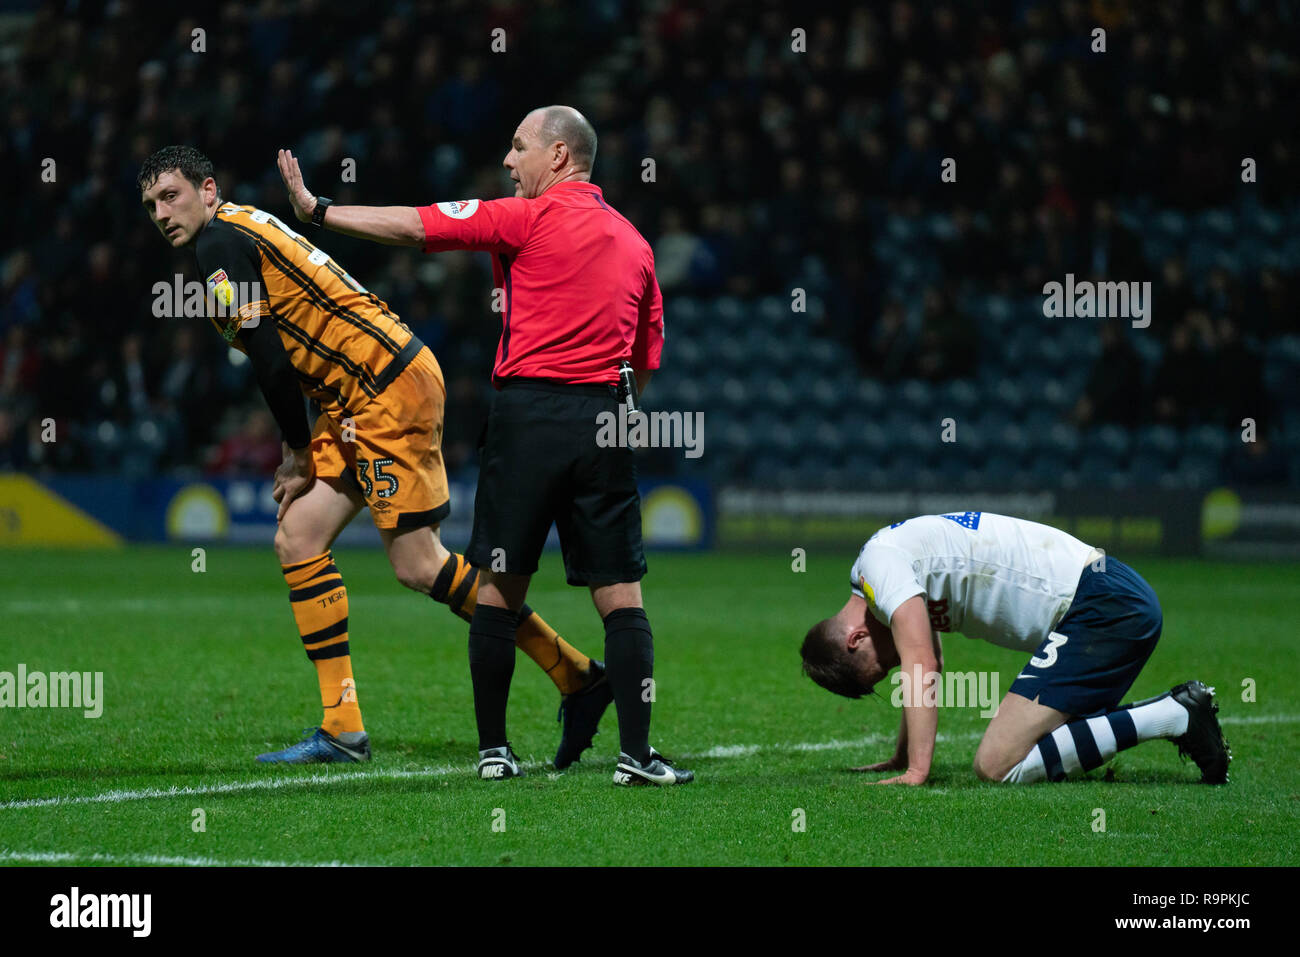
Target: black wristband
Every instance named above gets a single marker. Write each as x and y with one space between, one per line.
318 214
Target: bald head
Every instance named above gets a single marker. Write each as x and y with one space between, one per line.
552 144
570 127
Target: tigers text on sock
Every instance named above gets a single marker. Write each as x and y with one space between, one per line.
58 689
102 910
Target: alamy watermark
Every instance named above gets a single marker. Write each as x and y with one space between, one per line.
951 689
129 911
1100 300
57 689
243 303
654 430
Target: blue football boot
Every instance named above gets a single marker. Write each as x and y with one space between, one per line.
322 748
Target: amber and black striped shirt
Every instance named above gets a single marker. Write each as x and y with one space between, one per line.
343 342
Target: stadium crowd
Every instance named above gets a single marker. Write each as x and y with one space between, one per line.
776 167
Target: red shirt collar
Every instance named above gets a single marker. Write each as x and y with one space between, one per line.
573 183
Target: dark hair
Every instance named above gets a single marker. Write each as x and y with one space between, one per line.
193 165
827 662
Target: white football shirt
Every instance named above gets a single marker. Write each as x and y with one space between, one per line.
1004 580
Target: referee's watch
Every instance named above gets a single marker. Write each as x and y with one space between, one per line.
318 214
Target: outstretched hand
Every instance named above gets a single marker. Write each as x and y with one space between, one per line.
893 764
911 777
303 202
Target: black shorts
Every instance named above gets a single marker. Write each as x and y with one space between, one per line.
539 464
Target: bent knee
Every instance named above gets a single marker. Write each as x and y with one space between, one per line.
291 548
417 576
990 766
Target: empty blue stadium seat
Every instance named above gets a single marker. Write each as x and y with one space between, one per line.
730 313
774 312
917 396
956 398
1206 441
1010 396
825 396
1063 442
1037 419
735 395
868 396
1170 222
1010 443
1159 443
1198 470
683 312
1112 441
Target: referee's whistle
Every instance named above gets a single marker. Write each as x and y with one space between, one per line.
628 393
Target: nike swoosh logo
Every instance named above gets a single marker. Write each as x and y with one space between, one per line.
1023 675
666 777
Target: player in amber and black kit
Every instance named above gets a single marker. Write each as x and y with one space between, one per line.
580 299
310 328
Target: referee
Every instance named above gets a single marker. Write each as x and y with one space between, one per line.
578 295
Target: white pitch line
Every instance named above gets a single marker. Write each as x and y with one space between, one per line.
264 784
152 860
77 605
1260 719
342 777
836 744
727 751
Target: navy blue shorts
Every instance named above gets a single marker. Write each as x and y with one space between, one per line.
1088 663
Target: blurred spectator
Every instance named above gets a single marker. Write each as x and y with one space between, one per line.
1114 391
20 364
1237 389
1113 250
1171 299
1256 463
19 305
255 449
132 377
1182 382
467 409
13 452
948 342
886 350
675 253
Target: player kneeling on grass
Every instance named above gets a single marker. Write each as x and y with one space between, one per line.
1090 621
309 328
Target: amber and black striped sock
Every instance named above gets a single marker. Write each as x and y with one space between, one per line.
457 587
320 607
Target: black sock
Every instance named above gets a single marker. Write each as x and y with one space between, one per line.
491 666
629 661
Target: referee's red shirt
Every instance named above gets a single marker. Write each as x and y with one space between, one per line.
579 280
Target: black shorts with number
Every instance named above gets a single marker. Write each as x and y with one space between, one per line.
540 464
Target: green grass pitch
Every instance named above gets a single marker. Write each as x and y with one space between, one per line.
203 671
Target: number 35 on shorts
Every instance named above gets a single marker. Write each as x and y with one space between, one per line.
388 482
1054 641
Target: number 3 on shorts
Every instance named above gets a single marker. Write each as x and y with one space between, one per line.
1054 641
